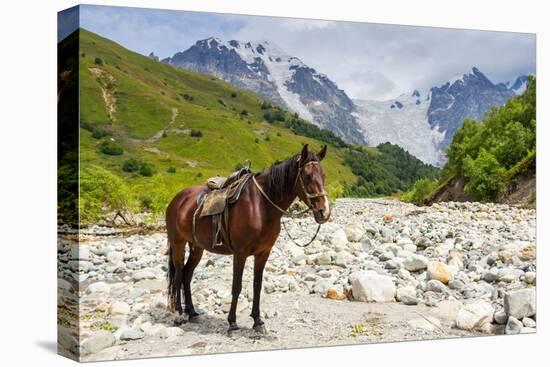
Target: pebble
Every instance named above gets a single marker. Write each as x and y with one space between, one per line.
438 271
407 295
529 322
513 326
415 262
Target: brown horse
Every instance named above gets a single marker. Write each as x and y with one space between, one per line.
254 225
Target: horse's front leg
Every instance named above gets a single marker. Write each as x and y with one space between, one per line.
259 265
239 261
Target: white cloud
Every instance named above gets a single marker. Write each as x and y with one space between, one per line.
368 61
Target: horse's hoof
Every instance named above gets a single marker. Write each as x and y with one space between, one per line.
260 329
232 327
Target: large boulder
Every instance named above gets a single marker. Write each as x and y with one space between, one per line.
368 286
474 316
438 271
521 303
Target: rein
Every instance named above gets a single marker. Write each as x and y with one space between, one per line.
308 203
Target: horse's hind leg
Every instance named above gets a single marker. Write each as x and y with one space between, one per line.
195 256
177 255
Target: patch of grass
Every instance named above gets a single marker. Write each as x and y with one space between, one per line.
356 330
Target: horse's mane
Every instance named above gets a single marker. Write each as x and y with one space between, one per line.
281 173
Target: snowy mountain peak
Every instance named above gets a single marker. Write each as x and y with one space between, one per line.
518 85
265 69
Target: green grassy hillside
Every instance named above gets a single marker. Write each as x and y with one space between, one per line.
148 130
151 110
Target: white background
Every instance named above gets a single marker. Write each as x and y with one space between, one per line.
28 180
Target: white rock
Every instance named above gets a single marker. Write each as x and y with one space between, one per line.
513 326
98 341
120 308
146 273
473 316
132 334
530 277
115 257
98 287
529 322
170 332
407 295
368 286
354 232
520 303
337 238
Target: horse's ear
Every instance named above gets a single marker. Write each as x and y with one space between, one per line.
322 153
303 155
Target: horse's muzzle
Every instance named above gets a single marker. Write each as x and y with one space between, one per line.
321 215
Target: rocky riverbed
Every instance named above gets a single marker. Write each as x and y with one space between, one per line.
379 271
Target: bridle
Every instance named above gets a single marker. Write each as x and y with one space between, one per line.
308 196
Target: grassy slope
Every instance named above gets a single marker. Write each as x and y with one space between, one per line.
147 91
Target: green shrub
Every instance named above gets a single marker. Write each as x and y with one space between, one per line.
155 196
420 191
99 133
277 115
146 169
196 133
244 113
98 61
171 169
222 102
187 97
233 94
101 192
110 147
131 165
265 105
483 175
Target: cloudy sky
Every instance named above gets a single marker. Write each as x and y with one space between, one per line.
368 61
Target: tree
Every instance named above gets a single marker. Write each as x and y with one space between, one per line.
484 176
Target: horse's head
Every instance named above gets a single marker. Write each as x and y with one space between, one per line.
310 183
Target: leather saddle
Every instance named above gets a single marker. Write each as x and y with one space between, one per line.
214 202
